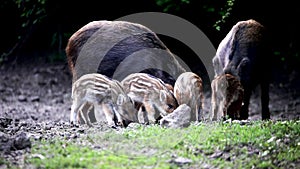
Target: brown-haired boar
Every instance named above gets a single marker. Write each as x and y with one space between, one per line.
244 53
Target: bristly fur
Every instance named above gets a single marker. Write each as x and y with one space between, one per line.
188 90
146 89
102 93
244 53
121 39
227 97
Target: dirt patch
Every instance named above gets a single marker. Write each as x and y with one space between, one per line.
35 101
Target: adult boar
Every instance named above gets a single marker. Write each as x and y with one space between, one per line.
119 48
243 53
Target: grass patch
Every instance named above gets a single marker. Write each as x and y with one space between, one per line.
256 145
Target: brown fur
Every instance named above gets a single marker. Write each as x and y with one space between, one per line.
76 42
105 95
188 90
245 54
152 93
227 97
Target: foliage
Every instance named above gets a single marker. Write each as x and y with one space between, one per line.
29 13
172 4
225 13
208 6
45 23
213 145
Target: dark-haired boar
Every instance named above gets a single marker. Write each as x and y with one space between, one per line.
119 48
244 54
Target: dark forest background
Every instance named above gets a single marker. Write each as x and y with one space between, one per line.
39 29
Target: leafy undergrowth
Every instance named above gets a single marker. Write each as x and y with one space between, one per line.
203 145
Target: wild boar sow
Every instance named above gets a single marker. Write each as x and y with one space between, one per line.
244 54
119 48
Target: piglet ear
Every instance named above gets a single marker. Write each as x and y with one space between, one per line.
162 96
120 99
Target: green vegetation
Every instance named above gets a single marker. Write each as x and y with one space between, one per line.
225 13
31 20
222 9
255 145
28 14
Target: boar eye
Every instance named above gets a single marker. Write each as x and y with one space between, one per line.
170 106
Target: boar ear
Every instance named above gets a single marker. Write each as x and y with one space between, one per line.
120 99
162 96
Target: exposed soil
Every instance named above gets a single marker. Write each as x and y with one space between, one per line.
35 98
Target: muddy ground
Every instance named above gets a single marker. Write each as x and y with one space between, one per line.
35 98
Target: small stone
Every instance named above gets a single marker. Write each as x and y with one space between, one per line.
48 127
217 154
73 136
2 88
179 118
21 141
181 161
35 99
40 156
22 98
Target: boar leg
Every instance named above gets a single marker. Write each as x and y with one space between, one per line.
74 116
84 111
245 107
109 114
265 101
214 102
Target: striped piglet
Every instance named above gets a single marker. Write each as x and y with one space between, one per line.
227 97
106 96
154 96
188 90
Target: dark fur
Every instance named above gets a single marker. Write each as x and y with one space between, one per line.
246 49
125 48
142 38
